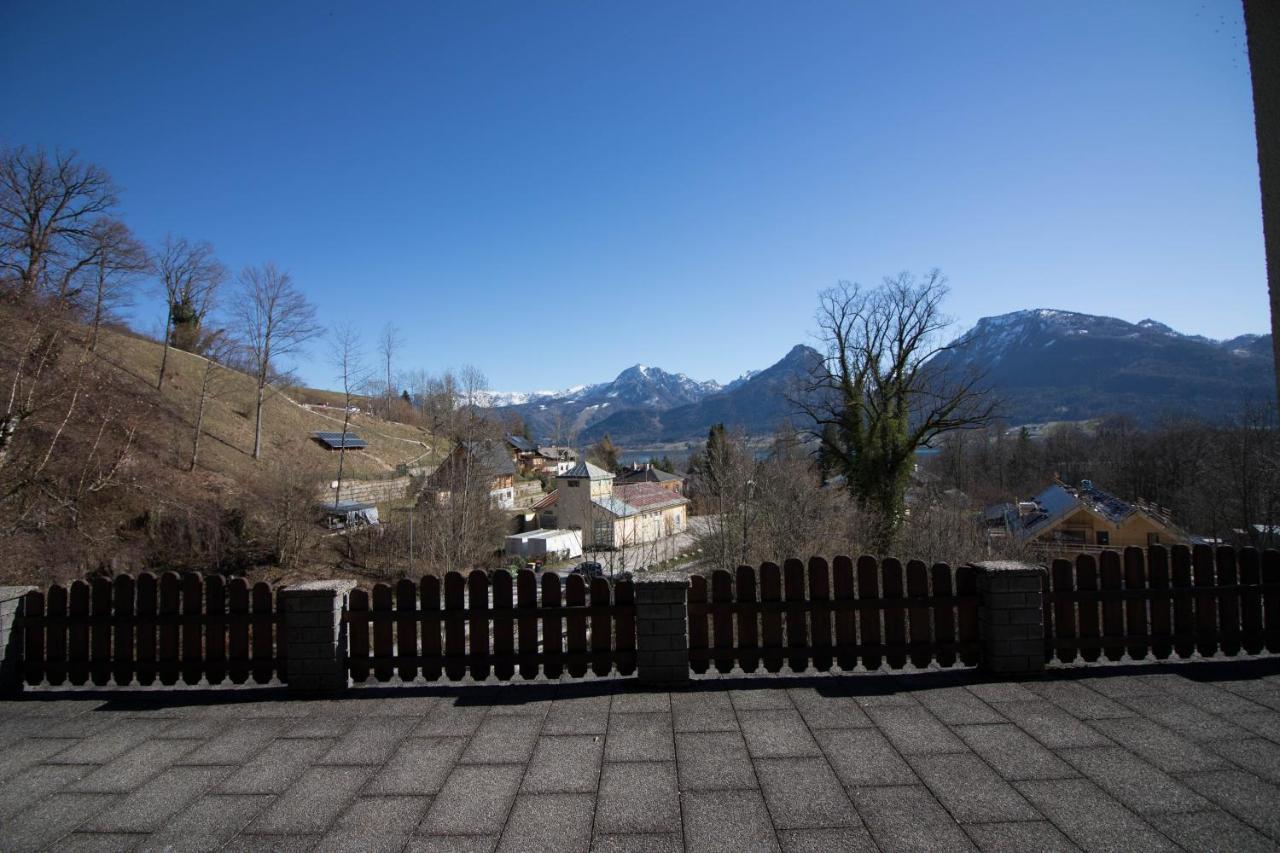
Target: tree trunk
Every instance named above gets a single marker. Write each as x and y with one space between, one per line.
195 443
1262 28
257 420
164 358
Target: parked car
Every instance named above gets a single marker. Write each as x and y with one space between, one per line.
589 569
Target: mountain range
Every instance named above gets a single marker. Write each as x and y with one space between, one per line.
1042 364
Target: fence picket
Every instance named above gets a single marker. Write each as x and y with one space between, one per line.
1271 600
1135 580
846 620
122 651
1064 616
527 592
1161 607
407 628
869 590
192 635
215 644
797 625
265 655
78 634
504 625
601 628
967 615
1112 608
429 591
1090 626
771 620
1228 602
721 618
281 637
575 595
820 619
1206 601
381 605
747 623
238 605
33 638
1184 623
56 635
1251 601
698 615
358 635
552 629
895 618
625 628
918 617
100 631
478 622
455 628
944 615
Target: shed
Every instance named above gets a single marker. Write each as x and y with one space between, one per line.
553 544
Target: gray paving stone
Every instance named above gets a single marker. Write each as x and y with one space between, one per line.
1038 835
641 736
276 767
713 760
1257 690
549 822
703 711
971 790
1001 691
132 768
638 798
957 706
761 699
452 844
371 742
1184 718
238 743
1204 695
853 839
1051 725
1257 755
121 736
914 731
637 843
475 800
777 734
633 700
864 757
503 740
312 802
1090 818
1213 831
564 764
418 766
319 726
826 711
17 757
1264 723
803 793
100 842
50 819
151 806
516 699
1244 795
35 783
908 818
391 815
1116 686
727 821
250 843
578 716
447 720
343 840
208 823
1139 785
1013 753
1161 747
1079 699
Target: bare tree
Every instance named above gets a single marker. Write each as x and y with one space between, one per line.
882 391
217 351
348 358
190 276
389 343
119 260
47 208
275 320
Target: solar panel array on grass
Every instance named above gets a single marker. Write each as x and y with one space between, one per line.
336 440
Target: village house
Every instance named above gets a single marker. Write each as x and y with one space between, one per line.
1082 519
532 458
588 498
489 459
644 472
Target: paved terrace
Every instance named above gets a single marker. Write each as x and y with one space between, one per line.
1119 758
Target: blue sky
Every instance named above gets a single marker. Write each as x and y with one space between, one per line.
553 191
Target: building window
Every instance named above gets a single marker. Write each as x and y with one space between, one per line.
573 484
1104 537
1153 539
603 532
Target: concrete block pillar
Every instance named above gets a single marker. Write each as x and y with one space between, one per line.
11 638
1011 617
662 628
316 635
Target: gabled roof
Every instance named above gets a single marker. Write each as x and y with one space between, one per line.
490 456
584 470
554 452
648 496
548 501
647 475
521 443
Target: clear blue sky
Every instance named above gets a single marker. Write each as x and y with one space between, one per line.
553 191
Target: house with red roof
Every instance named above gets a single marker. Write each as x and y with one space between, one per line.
609 514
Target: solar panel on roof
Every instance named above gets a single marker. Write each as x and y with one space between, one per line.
337 440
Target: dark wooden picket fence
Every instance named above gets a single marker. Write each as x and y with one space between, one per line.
1166 602
491 624
868 613
165 629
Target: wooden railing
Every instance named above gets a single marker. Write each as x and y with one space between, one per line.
490 624
840 616
1167 602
